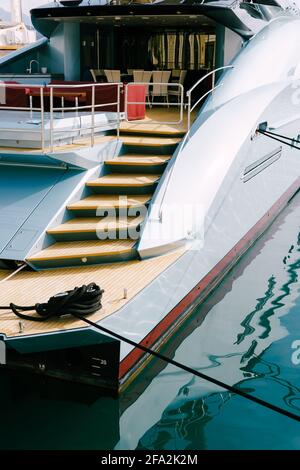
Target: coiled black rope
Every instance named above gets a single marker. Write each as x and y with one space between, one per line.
86 300
83 300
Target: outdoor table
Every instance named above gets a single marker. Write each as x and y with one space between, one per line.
63 95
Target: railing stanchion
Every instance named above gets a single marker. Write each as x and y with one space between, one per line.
126 101
189 111
181 89
31 106
118 110
42 118
93 117
51 120
63 106
76 105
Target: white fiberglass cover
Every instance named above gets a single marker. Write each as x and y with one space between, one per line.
273 55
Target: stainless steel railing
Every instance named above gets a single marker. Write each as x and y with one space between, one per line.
49 90
190 107
93 107
48 118
16 86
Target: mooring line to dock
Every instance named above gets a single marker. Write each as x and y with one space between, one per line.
186 368
85 300
279 137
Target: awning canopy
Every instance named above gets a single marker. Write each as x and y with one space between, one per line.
165 13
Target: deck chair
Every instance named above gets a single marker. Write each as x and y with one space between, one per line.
97 73
113 76
159 88
175 74
173 91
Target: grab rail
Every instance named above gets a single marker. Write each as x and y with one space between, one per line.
189 92
187 135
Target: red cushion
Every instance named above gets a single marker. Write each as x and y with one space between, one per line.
106 93
15 96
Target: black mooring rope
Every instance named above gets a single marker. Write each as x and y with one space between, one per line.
221 384
86 300
292 139
279 137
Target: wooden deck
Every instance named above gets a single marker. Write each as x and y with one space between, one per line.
28 288
139 160
144 141
77 144
96 224
124 180
99 139
82 249
4 273
156 115
110 201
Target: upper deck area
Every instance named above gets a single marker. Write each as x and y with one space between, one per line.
65 117
103 68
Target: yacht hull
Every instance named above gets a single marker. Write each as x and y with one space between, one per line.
238 179
132 364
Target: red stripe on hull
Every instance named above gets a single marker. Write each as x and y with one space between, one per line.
209 282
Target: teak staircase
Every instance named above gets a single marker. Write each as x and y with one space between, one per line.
128 182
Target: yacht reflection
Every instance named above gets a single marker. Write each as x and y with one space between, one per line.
264 333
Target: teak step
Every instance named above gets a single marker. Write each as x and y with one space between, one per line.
124 180
136 160
83 252
148 128
110 201
95 227
150 141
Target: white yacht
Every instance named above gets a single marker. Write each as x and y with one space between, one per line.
152 147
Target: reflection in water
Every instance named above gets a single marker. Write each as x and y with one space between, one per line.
183 423
180 427
246 323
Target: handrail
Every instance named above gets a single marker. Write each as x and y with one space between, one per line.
49 90
93 107
182 144
41 91
189 92
212 72
187 135
204 96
